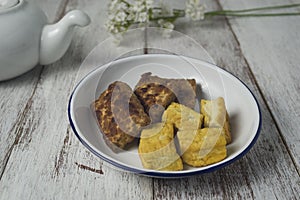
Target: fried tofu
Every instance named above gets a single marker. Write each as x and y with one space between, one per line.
156 93
215 115
182 117
120 115
157 150
202 147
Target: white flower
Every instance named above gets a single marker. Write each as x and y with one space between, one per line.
165 24
141 17
120 16
110 26
167 27
131 16
195 10
139 6
116 5
112 4
138 11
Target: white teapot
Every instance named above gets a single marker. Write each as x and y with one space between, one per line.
26 39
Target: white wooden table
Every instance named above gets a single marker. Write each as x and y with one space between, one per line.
40 157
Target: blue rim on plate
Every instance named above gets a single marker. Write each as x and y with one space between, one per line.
162 174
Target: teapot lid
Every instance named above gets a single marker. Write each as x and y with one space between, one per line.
4 4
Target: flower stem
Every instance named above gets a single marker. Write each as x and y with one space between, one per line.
168 18
171 18
124 1
237 13
263 8
243 13
217 13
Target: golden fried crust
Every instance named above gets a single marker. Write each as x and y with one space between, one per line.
156 93
120 115
157 149
202 147
184 118
215 115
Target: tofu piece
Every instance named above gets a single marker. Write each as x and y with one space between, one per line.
157 150
184 118
202 147
215 115
120 115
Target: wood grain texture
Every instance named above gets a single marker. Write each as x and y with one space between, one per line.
267 171
40 157
272 53
16 100
50 162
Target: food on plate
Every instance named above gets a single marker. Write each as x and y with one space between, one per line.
203 146
183 117
155 98
157 150
215 115
120 115
184 90
156 93
161 112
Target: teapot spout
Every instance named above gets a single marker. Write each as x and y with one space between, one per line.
56 38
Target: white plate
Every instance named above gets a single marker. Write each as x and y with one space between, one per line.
242 107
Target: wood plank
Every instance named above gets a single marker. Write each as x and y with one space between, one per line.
273 58
50 162
16 99
47 161
267 171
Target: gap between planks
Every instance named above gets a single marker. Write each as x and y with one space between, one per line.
261 93
18 123
145 41
59 14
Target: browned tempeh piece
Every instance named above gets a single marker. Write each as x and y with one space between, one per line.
120 115
156 93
